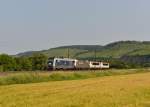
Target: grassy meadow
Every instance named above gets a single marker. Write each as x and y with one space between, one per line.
107 91
9 78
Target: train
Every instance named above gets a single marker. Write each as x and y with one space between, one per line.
75 64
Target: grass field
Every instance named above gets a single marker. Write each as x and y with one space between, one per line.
24 77
112 91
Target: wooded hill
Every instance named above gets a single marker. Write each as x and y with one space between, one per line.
113 50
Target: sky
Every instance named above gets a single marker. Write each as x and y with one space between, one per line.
27 25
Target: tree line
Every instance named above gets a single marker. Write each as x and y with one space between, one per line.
39 62
32 63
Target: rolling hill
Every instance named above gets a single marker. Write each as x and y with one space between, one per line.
113 50
74 50
122 48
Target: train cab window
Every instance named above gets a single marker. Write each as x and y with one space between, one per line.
95 63
105 64
58 62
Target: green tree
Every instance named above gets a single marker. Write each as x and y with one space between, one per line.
7 63
39 61
23 64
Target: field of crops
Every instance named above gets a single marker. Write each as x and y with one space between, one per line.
112 91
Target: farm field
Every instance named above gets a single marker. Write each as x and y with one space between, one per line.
110 91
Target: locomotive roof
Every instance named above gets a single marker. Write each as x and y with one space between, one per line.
65 59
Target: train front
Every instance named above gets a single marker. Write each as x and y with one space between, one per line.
50 64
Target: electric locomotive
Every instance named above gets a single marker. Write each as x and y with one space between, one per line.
74 64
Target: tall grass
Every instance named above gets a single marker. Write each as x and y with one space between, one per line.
35 77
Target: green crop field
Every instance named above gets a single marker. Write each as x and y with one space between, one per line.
131 90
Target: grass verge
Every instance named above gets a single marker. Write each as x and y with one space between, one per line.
36 77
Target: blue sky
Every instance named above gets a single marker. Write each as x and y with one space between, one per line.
41 24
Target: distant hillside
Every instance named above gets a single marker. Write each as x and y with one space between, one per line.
82 47
114 50
121 48
29 53
62 51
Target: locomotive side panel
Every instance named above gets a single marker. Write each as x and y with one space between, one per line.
79 64
95 65
105 65
63 64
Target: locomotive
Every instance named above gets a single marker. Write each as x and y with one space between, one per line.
75 64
